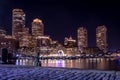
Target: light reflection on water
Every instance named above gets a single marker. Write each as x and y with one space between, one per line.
95 63
53 63
25 62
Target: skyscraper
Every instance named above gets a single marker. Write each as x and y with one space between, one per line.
18 23
37 27
82 38
101 38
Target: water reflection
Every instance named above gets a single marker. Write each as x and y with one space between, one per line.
25 61
91 63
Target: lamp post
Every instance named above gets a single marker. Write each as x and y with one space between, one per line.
38 62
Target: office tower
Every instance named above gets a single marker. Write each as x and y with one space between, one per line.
18 23
82 38
101 38
37 28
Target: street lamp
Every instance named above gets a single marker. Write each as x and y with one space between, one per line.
38 62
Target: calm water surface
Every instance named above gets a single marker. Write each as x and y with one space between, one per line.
91 63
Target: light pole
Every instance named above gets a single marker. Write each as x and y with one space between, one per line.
38 62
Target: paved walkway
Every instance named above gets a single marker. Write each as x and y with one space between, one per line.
11 72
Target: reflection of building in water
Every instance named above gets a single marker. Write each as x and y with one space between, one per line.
103 64
101 38
82 38
7 41
60 63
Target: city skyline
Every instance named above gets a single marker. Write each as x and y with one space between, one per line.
65 19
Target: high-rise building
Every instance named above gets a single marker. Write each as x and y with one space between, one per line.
18 23
82 38
101 38
37 27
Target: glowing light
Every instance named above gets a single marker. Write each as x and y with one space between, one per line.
60 52
60 63
37 20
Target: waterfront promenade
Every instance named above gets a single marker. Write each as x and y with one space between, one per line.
13 72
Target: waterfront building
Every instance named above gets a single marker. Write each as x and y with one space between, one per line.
91 50
37 27
2 33
54 44
70 46
8 42
18 23
69 42
82 38
44 43
101 38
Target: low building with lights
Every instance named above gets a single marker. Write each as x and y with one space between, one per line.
70 46
91 50
69 42
2 33
8 42
44 43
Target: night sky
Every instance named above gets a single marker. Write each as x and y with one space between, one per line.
62 18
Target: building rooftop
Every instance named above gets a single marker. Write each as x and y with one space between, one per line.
37 20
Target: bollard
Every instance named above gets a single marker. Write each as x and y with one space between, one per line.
38 62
